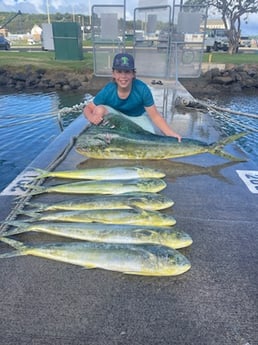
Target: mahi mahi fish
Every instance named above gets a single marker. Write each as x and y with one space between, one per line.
119 138
135 216
146 201
114 173
171 168
109 233
144 259
103 187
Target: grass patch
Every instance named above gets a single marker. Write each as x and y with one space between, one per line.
44 59
236 59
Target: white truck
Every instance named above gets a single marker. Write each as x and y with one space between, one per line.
215 39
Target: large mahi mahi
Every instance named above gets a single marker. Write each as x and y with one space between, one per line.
134 216
144 259
119 138
109 233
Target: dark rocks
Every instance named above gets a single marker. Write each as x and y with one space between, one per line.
224 80
20 76
232 79
42 79
75 83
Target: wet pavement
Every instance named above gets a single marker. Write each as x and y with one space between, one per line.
215 302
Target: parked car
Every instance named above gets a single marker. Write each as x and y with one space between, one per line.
4 43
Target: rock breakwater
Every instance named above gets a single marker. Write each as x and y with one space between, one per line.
42 79
232 79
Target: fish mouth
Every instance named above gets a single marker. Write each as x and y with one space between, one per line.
187 242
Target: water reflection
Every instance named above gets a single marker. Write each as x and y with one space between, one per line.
230 123
172 169
28 124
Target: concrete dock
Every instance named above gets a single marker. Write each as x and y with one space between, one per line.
215 303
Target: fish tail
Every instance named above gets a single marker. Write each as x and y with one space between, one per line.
20 227
27 195
11 254
37 206
19 246
214 171
41 173
217 149
35 190
33 211
32 214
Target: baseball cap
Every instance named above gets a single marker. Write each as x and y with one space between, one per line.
123 61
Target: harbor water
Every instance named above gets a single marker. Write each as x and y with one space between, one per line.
29 122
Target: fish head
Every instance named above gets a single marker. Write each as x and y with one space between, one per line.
172 262
176 239
155 184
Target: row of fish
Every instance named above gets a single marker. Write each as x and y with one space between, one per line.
121 231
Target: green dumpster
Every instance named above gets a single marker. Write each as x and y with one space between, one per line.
67 41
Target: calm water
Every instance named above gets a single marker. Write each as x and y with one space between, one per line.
29 123
244 103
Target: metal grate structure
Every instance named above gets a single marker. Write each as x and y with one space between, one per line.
108 36
168 42
187 40
152 27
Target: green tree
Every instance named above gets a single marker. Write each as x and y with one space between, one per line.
232 12
58 17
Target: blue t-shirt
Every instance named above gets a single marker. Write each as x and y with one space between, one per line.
139 97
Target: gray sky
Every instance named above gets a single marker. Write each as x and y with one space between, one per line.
83 6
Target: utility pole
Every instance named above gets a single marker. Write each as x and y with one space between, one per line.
48 15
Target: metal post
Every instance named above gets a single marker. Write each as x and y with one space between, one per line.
48 15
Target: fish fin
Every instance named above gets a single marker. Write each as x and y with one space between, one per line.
118 121
144 212
89 267
217 148
11 254
140 273
14 243
144 232
228 156
132 202
130 272
137 208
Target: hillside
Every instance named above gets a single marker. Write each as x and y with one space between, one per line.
23 23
